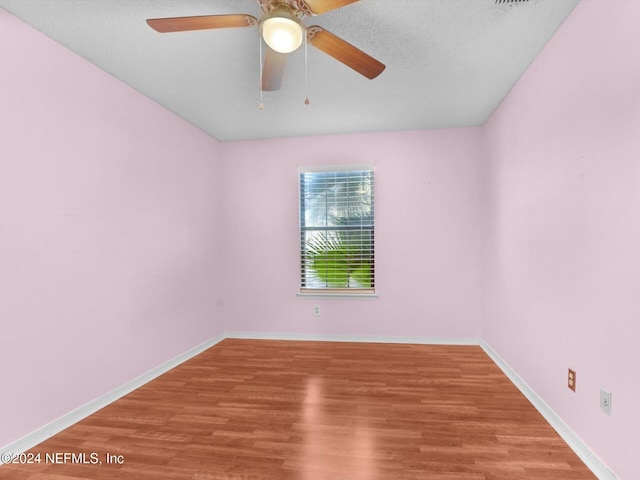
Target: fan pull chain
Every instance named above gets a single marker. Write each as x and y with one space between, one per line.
306 72
260 105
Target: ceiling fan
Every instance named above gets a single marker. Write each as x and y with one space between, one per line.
282 30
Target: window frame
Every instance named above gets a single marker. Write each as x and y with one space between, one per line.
333 291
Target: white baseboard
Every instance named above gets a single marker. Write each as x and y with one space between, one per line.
355 338
43 433
590 459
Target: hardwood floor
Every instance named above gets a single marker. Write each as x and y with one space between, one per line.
253 410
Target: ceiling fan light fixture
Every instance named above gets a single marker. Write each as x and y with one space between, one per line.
283 33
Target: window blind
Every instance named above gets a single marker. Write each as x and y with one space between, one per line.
337 237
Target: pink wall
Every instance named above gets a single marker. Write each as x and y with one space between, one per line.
109 239
563 256
428 212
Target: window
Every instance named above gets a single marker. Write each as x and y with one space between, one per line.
337 230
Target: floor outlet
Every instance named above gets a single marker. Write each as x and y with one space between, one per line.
571 380
605 401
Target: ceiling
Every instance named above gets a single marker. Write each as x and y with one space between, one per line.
449 63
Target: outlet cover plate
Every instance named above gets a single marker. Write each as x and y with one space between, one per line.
571 380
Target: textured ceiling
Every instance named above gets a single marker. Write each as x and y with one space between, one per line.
449 62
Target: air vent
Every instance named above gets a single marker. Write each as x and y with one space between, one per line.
511 1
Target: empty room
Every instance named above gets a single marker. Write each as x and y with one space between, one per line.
319 239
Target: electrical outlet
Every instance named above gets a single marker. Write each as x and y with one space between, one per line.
605 401
571 380
316 311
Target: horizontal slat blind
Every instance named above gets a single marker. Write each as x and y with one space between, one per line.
337 241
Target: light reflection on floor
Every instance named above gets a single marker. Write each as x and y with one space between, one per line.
334 445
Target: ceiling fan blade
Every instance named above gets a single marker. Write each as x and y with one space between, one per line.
318 7
204 22
273 69
344 52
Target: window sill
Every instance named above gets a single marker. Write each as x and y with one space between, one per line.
361 296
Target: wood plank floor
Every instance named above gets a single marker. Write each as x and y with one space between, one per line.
253 410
